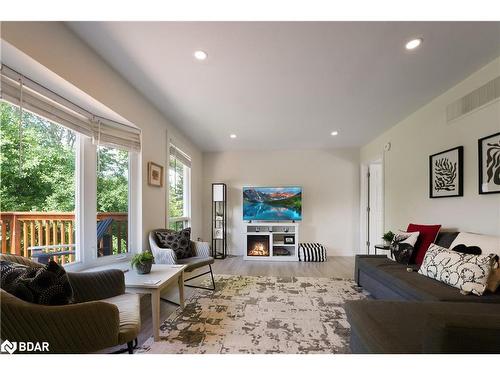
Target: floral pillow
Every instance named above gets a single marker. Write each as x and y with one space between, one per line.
467 272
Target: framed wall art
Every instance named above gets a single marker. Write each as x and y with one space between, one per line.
489 164
446 173
155 174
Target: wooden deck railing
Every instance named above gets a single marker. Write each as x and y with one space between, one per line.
21 231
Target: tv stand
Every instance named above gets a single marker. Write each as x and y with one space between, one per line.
272 241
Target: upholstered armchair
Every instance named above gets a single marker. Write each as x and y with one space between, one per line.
167 256
102 314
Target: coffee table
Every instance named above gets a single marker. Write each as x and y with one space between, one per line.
160 277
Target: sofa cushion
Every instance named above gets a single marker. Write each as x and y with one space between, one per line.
445 239
130 315
382 326
411 285
48 285
428 235
467 272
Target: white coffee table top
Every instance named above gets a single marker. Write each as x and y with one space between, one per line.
159 275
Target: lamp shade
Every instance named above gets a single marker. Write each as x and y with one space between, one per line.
218 192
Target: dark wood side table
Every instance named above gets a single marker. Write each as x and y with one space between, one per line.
383 248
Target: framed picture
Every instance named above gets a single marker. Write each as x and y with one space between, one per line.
446 173
155 174
289 240
489 164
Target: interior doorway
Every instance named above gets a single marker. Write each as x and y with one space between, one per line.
372 205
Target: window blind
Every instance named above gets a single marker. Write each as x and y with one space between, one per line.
33 97
180 156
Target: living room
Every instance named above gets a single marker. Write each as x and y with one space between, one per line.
265 187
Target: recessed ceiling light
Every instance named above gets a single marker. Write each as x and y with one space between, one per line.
232 136
334 133
200 55
414 43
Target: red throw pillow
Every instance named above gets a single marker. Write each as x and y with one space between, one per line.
428 234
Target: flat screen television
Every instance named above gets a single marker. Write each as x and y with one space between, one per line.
272 203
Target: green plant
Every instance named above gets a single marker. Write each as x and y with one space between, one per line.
142 258
388 236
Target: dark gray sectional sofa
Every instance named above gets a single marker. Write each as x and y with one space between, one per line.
410 313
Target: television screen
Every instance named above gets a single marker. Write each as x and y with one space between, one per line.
272 203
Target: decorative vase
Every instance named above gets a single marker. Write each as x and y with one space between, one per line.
144 268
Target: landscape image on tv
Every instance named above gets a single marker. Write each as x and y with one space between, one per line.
272 203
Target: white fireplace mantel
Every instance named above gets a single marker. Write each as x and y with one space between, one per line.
282 238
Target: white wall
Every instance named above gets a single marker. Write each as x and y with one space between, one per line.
56 47
330 182
424 133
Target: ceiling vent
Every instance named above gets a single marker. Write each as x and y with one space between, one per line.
474 100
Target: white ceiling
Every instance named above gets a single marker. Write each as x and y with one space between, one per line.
285 85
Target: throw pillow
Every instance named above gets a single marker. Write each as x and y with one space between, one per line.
428 234
179 242
402 246
488 244
467 272
48 285
467 249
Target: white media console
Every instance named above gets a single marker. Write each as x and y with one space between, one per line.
276 241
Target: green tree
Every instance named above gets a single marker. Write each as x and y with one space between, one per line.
176 188
37 164
37 167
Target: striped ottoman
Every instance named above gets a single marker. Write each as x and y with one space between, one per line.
312 252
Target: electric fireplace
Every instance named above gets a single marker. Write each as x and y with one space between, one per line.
258 246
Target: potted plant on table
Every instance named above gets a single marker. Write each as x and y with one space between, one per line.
388 237
142 262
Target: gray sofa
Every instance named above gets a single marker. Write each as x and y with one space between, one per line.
410 313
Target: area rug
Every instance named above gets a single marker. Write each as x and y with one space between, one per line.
249 314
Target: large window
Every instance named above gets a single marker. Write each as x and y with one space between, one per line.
179 189
112 201
68 178
37 186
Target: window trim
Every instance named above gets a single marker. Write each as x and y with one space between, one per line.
187 193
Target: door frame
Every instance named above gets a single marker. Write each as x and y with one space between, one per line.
364 241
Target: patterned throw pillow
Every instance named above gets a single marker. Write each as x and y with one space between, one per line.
403 246
467 272
47 285
179 242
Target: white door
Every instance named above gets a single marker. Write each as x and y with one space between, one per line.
375 204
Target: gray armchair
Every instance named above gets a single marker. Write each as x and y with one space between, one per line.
167 256
102 314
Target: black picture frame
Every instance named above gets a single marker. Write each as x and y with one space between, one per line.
434 180
289 240
483 164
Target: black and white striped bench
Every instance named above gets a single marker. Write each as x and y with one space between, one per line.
312 252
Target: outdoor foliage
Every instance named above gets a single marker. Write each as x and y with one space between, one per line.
40 175
176 188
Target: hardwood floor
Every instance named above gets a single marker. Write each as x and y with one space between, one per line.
341 267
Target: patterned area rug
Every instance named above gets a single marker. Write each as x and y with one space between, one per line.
261 315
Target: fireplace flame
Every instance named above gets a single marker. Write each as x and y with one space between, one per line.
259 249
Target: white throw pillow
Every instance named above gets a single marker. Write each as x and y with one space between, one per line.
488 245
467 272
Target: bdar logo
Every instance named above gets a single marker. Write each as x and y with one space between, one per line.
8 347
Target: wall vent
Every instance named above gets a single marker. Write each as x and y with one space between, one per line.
474 100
